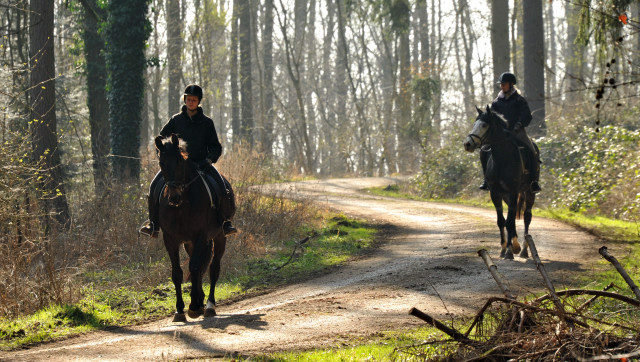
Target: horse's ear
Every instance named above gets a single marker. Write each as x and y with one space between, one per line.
488 109
159 144
479 110
175 140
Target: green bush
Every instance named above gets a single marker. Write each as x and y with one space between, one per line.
595 172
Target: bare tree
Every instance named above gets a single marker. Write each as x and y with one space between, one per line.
174 22
44 139
500 37
534 64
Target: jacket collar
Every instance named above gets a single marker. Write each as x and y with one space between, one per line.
197 115
506 96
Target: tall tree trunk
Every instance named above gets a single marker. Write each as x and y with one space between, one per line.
550 77
233 77
246 92
94 47
267 56
341 146
574 53
126 62
534 65
43 112
174 55
328 152
500 37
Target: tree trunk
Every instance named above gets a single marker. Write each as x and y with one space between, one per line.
97 94
574 53
500 37
174 55
233 77
44 139
534 65
126 62
246 93
267 56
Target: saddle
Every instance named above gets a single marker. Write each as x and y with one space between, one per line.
209 183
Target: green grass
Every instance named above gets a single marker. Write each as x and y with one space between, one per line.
102 307
385 346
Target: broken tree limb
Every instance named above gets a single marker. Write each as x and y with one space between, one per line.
600 293
457 336
611 259
493 269
552 291
588 302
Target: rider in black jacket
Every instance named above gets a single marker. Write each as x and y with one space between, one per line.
515 109
204 148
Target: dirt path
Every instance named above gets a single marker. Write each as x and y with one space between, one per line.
430 261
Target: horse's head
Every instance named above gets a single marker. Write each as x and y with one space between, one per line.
174 167
484 128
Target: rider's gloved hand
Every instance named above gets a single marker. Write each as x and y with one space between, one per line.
517 126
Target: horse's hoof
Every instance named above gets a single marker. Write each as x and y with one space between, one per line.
524 254
210 312
515 245
179 317
503 252
195 313
508 255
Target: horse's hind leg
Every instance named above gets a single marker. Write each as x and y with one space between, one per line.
176 277
497 203
219 245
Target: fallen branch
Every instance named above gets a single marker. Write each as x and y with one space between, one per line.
611 259
552 291
600 293
457 336
493 269
298 243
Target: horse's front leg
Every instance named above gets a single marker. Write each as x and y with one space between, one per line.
197 266
512 236
219 246
530 199
173 248
497 203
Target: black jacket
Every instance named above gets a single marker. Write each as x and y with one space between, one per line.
199 133
514 109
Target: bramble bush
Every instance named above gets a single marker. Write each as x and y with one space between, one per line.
595 172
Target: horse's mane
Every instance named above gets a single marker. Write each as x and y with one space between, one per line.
182 144
500 118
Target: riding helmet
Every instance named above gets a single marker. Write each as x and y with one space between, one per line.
193 90
507 77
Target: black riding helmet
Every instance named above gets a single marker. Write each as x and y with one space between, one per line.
507 77
193 90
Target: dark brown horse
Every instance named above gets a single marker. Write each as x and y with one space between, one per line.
187 217
505 176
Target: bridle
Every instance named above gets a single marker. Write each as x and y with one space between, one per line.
181 186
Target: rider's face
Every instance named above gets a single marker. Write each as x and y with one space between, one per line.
191 102
505 87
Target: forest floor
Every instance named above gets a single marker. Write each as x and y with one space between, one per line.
427 258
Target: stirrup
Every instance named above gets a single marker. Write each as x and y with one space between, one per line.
228 228
484 186
149 229
535 187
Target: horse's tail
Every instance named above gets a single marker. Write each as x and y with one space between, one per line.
522 203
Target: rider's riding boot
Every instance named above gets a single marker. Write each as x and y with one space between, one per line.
152 226
535 177
484 186
228 228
